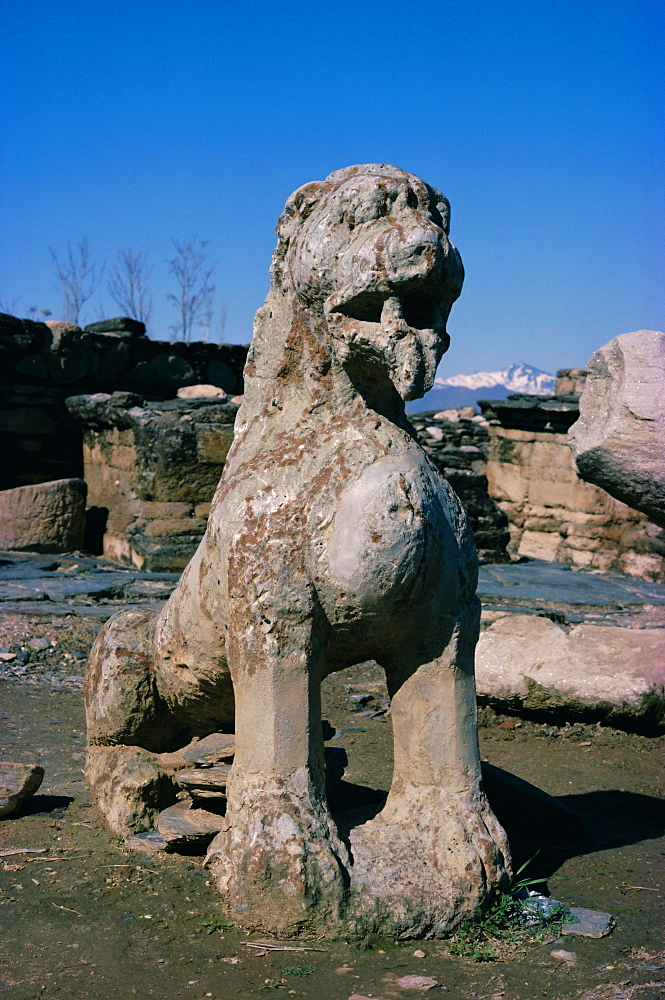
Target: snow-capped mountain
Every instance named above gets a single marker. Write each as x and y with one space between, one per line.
465 390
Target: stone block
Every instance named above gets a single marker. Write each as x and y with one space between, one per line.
130 786
213 442
222 375
118 549
183 826
505 482
121 456
645 567
47 517
576 557
603 559
596 670
539 544
175 526
542 523
152 509
118 325
582 543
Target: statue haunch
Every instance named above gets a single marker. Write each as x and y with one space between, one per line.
331 540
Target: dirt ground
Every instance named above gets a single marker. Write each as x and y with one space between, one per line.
87 917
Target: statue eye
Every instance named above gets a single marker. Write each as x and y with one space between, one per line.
420 313
411 198
366 307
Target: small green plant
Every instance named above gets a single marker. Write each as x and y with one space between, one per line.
300 970
118 839
211 924
524 883
503 923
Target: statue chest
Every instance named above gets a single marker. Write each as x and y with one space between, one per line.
390 532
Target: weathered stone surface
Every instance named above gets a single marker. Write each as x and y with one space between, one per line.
213 749
151 467
47 517
130 787
209 779
182 825
619 439
43 363
589 923
118 325
524 660
146 843
552 513
332 540
17 783
200 392
570 381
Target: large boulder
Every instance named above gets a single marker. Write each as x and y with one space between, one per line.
619 439
593 671
46 517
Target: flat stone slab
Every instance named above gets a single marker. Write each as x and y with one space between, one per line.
556 585
590 923
86 585
211 749
66 584
211 779
146 843
17 783
530 662
182 825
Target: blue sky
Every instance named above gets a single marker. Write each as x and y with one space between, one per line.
133 123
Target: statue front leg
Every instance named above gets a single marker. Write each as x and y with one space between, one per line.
436 851
280 858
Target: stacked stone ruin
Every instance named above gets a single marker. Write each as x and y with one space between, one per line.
552 512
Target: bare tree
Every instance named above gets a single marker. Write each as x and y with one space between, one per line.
78 278
128 285
9 306
195 289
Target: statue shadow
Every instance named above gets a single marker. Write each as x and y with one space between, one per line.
542 829
610 819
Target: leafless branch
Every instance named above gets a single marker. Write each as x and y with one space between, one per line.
78 278
193 300
128 285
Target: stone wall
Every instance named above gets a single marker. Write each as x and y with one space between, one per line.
457 441
43 363
151 469
554 514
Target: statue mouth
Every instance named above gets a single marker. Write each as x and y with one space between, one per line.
405 335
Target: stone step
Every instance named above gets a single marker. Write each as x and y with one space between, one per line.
211 779
182 825
211 749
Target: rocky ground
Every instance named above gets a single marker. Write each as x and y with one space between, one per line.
85 916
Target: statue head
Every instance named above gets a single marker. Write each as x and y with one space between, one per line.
365 261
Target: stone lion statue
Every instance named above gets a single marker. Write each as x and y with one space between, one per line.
331 540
